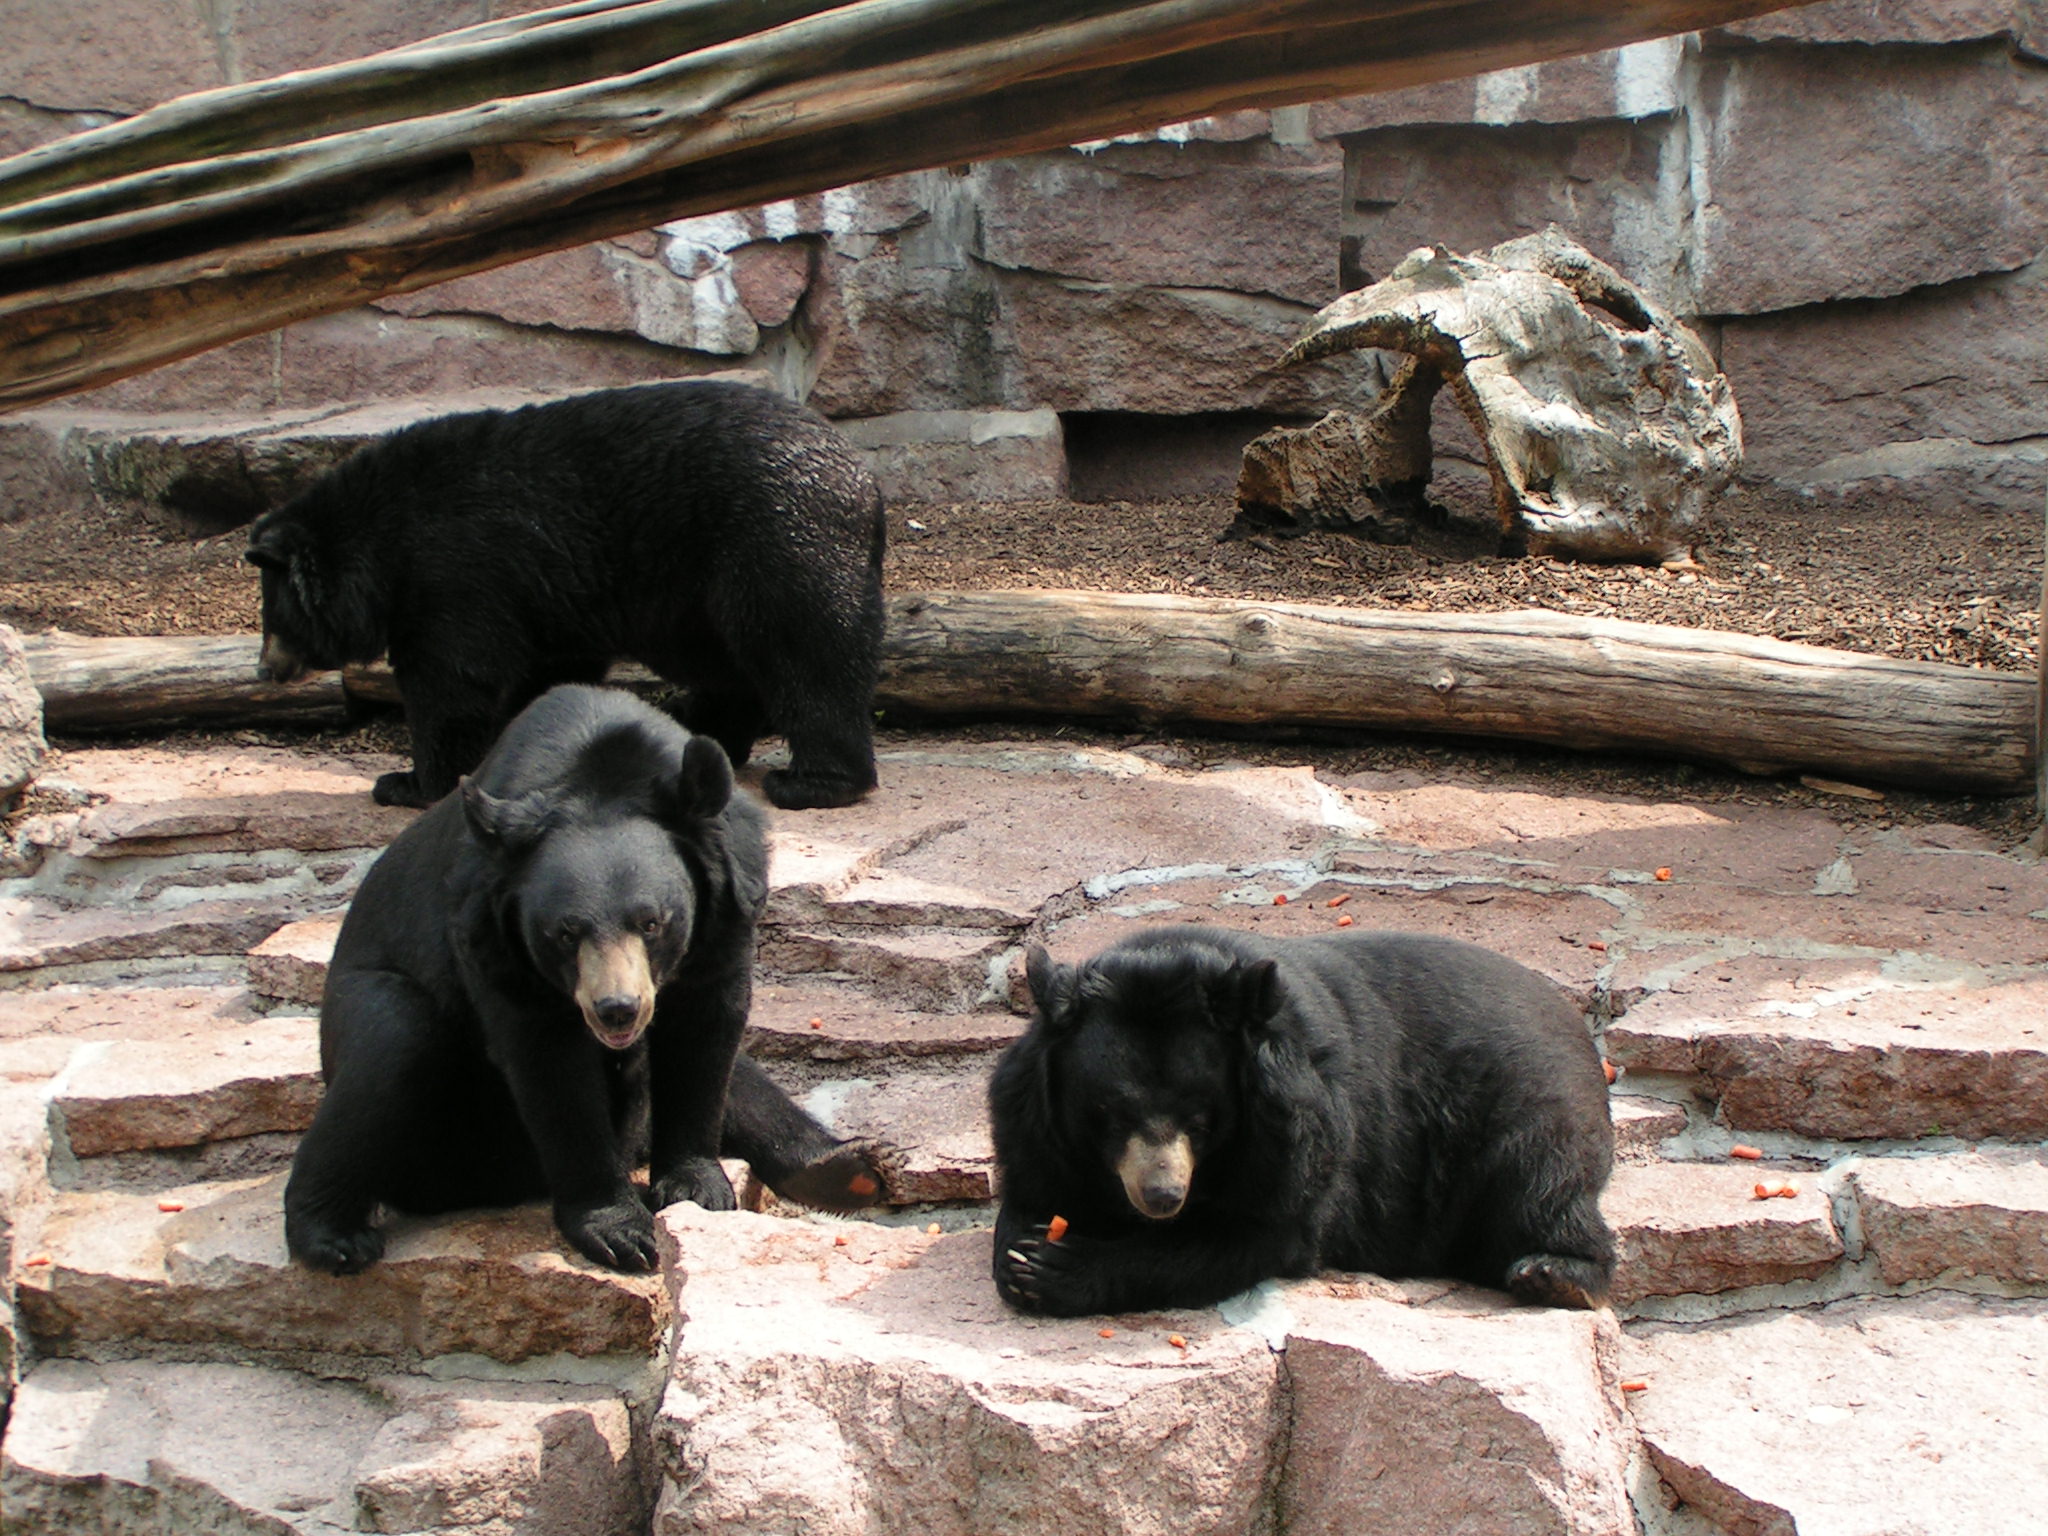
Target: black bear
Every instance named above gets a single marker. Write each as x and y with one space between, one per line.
725 537
543 981
1206 1109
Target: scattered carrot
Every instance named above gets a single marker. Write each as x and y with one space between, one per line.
1105 1333
170 1205
1345 921
1338 901
1176 1341
932 1230
1768 1189
861 1184
1635 1386
1056 1229
1790 1191
36 1258
1664 874
1280 900
817 1023
1607 1067
1747 1154
1599 944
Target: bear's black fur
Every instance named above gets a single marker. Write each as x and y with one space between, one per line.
1209 1109
544 981
730 540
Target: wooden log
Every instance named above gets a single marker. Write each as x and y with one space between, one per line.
1592 684
93 684
231 212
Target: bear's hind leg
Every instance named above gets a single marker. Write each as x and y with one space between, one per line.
792 1153
1567 1262
831 754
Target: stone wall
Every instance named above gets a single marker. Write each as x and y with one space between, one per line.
1852 197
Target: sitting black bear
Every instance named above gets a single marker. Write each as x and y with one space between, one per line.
1207 1109
542 982
730 540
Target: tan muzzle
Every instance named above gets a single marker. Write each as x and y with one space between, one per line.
615 989
1156 1172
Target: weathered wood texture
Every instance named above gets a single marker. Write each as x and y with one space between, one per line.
94 684
1760 705
230 212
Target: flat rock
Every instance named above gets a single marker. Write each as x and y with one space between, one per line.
938 1120
169 1006
1861 1056
36 935
816 1019
933 969
845 1377
162 800
1957 1217
1872 1417
291 965
1640 1124
213 1085
224 1450
1468 1415
213 1275
1694 1229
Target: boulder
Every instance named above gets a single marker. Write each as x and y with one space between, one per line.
22 747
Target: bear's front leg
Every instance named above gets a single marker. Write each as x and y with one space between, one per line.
690 1052
557 1077
1172 1264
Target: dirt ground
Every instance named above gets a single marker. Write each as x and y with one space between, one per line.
1863 572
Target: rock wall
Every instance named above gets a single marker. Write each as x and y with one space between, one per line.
1850 196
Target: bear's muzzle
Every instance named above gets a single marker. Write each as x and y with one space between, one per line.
615 988
1156 1171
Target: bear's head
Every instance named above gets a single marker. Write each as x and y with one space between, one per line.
319 610
607 875
1145 1058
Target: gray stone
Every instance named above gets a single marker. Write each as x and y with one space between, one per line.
36 475
22 747
1889 21
963 455
1856 173
936 1117
217 1449
1864 1418
273 36
118 57
1948 379
291 965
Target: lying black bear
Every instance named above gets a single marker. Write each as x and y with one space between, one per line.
1208 1109
542 982
728 539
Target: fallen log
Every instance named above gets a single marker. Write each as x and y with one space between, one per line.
230 212
1762 706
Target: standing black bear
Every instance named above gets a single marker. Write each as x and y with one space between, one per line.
1208 1109
728 539
542 981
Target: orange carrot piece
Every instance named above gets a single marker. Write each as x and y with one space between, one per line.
1345 921
1747 1154
1607 1070
861 1184
1635 1386
1056 1229
1105 1333
1664 874
1176 1341
1280 900
1338 901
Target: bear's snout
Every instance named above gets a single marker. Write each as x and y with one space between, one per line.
1156 1171
615 989
279 662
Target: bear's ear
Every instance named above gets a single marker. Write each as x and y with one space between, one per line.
1248 994
272 544
702 785
511 825
1052 985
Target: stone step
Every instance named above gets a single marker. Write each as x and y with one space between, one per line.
937 1118
805 1365
114 1270
1955 1220
1857 1058
37 936
213 1085
1866 1417
1697 1229
852 1025
241 1450
931 970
